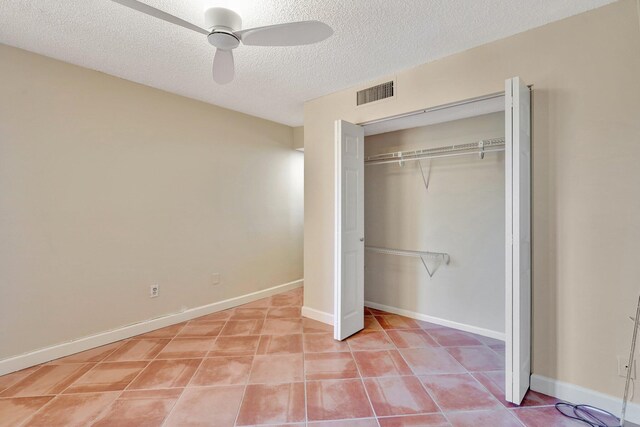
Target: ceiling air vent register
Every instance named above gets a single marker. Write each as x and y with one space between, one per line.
375 93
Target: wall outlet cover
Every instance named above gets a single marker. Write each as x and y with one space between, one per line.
623 362
154 290
215 279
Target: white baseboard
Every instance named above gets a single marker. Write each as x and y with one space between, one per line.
320 316
57 351
576 395
438 321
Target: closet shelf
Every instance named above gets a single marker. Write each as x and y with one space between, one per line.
440 257
479 148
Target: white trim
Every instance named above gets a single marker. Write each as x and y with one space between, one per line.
57 351
437 320
320 316
576 394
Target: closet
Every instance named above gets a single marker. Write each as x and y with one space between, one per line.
432 221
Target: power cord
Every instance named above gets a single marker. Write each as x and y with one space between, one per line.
590 415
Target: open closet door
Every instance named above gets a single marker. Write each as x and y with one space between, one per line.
349 230
518 239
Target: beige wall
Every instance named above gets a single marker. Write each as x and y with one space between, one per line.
461 213
107 187
586 145
298 138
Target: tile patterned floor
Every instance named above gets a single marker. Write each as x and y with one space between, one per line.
263 364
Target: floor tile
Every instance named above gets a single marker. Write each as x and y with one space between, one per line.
201 329
376 312
261 303
488 341
493 418
448 337
73 410
323 343
277 368
284 313
206 406
366 422
235 346
286 300
370 340
381 363
166 374
425 420
217 316
477 358
336 400
431 361
167 332
8 380
48 380
186 348
242 313
498 348
398 396
282 326
411 338
427 326
459 392
495 382
371 324
310 326
325 366
140 408
16 410
242 327
280 344
223 371
109 376
93 355
138 349
271 404
544 417
394 321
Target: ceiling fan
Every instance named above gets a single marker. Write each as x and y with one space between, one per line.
225 33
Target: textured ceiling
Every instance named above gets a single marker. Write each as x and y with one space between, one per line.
372 38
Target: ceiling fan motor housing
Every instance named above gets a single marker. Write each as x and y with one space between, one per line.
222 22
223 18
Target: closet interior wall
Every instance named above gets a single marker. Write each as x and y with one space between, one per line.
460 213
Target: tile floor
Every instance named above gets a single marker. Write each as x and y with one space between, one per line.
263 364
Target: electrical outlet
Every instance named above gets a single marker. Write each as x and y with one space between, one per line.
215 279
623 364
154 290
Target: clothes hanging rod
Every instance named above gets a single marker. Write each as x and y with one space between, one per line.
443 257
481 147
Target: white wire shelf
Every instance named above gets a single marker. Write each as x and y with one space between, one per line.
440 257
480 148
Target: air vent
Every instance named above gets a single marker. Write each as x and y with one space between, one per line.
375 93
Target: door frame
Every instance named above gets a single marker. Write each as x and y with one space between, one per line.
510 310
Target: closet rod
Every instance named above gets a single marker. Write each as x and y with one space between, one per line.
480 147
443 257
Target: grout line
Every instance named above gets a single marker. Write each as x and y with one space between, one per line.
246 384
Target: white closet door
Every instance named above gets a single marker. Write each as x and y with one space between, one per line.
349 232
518 239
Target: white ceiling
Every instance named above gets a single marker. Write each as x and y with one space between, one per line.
372 38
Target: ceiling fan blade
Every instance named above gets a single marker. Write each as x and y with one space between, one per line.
223 66
290 34
157 13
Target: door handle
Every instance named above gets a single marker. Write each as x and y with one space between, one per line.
362 239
